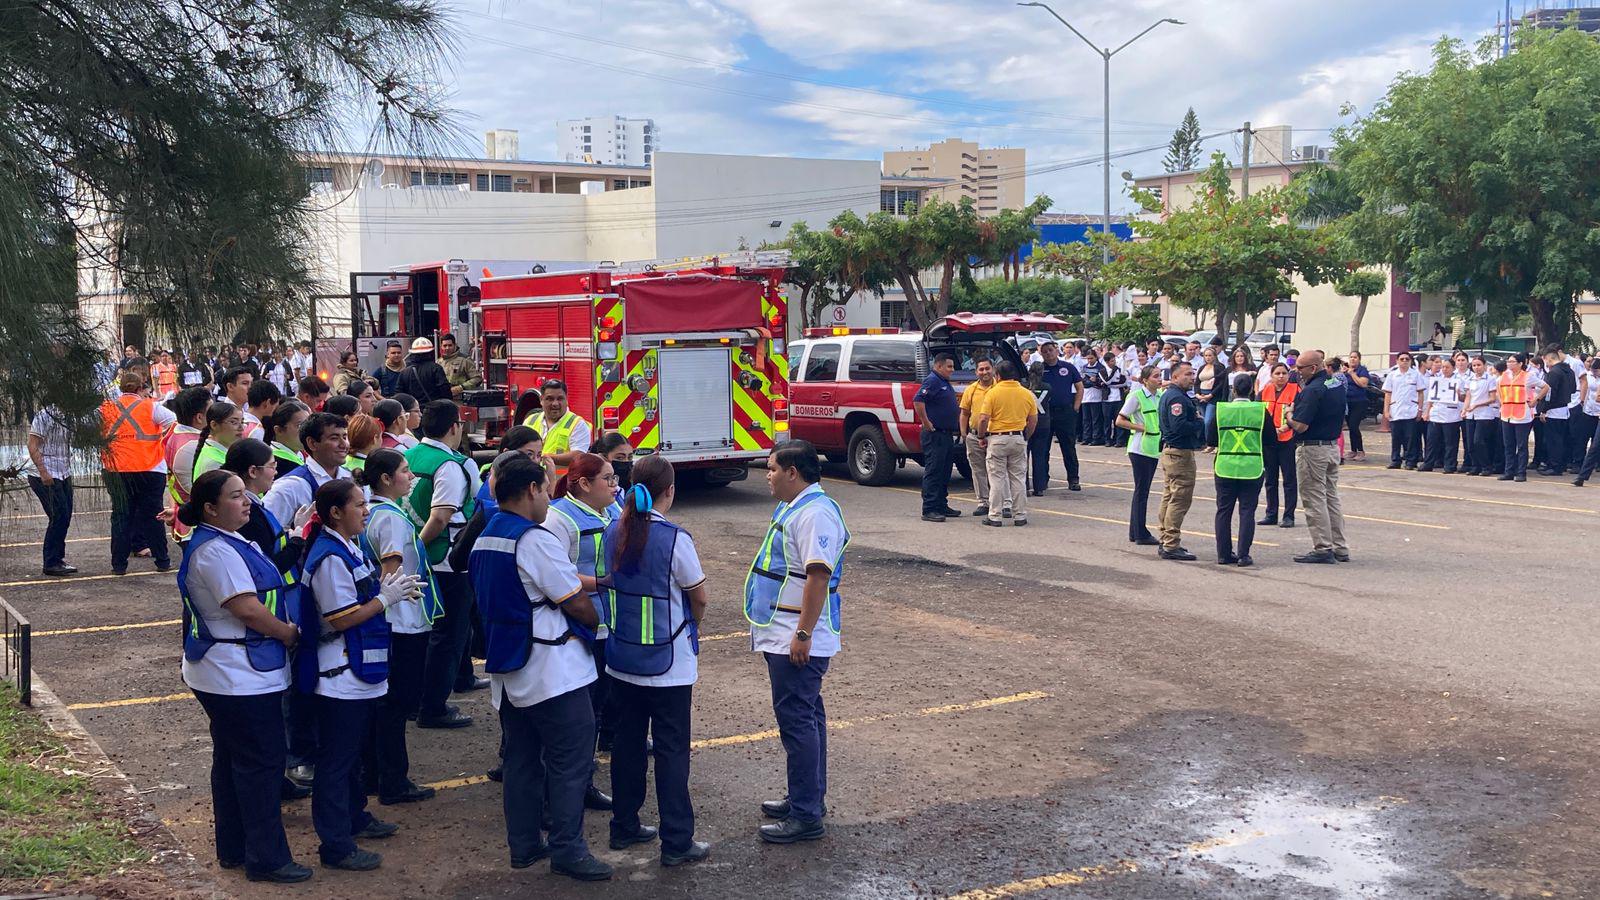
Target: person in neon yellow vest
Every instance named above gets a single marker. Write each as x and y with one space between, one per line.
565 432
1140 417
1242 429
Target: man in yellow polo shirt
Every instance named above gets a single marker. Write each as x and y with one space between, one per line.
1007 416
971 396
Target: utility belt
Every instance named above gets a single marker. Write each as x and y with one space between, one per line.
1306 443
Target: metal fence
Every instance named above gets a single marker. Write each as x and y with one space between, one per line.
16 650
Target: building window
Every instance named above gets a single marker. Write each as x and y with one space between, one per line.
619 184
482 183
893 313
502 183
886 200
586 129
319 174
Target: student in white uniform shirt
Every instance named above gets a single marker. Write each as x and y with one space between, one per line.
342 616
262 401
653 606
1591 406
1402 404
1269 359
236 641
1480 417
1442 404
206 453
393 538
793 606
1579 423
539 671
326 443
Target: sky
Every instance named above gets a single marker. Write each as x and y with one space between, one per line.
852 78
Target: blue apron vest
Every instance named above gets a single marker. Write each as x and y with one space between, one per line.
432 604
638 605
265 654
770 570
366 646
591 554
503 602
304 474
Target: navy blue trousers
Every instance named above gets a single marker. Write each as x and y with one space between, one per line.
338 797
56 499
548 752
803 728
664 713
447 643
386 753
246 765
938 448
1514 438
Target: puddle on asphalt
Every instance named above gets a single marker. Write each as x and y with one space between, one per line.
1291 835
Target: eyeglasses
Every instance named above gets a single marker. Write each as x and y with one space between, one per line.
609 479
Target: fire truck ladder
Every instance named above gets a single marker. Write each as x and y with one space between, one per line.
743 259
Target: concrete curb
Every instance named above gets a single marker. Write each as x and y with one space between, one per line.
168 855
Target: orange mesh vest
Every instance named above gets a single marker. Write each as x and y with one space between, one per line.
1513 396
133 438
1278 406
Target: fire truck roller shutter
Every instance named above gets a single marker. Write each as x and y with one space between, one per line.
696 397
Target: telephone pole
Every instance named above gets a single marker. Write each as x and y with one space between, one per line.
1244 193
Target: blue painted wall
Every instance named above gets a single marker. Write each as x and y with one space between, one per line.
1067 234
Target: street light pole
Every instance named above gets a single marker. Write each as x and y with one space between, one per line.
1105 56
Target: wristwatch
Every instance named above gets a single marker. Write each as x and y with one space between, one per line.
802 635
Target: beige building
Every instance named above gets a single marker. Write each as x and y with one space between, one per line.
994 179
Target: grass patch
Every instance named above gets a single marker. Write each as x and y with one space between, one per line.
51 824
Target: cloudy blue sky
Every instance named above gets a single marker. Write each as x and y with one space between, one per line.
851 78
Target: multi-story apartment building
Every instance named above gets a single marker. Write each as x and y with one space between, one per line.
608 140
995 179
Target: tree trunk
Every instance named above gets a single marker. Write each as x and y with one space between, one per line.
916 301
1545 330
1355 324
808 315
947 278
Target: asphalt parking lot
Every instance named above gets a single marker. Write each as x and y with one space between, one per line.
1040 712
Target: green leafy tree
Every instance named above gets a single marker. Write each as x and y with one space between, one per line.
1230 255
1082 261
1487 171
823 266
1052 296
156 141
1140 327
1183 153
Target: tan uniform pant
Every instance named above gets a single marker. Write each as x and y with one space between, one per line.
977 460
1177 467
1318 469
1008 471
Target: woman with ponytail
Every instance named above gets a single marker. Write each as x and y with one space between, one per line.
393 538
366 435
283 435
237 635
653 607
342 616
224 424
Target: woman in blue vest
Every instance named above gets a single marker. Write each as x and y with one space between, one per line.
653 606
531 597
236 640
342 616
582 508
393 538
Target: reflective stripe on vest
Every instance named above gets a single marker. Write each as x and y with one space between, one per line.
1148 441
1513 396
264 653
366 646
638 606
207 451
176 441
134 439
1239 439
432 603
769 571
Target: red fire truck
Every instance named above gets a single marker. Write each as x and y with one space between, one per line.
851 389
683 357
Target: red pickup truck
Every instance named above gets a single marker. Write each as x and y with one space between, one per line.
851 389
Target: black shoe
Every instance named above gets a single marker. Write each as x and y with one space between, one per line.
644 835
476 684
1448 470
121 571
779 809
1229 560
496 774
1578 482
994 522
1074 486
982 510
1341 555
1020 522
1411 467
697 851
933 517
229 863
377 830
952 513
594 798
412 793
1268 519
288 873
586 869
1246 562
1179 555
1039 492
522 862
60 571
356 861
301 774
791 830
289 789
1520 478
1506 477
164 566
1288 522
1316 556
1425 467
1005 513
451 719
1147 541
1393 465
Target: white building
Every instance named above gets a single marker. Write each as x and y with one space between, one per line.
608 140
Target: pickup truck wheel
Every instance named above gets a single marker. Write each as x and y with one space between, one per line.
871 462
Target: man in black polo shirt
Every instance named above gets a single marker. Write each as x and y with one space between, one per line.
940 414
1064 386
1317 417
1183 434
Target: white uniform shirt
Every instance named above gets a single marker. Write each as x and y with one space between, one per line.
1402 388
567 532
1482 393
551 671
335 587
813 535
1090 394
686 575
287 495
392 534
1579 373
252 426
1131 411
1444 398
453 485
1264 375
56 449
217 574
1591 397
302 364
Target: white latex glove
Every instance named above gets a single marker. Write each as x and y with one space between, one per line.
399 587
302 516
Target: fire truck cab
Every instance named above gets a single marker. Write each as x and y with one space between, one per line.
851 389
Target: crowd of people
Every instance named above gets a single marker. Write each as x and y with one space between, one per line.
343 560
